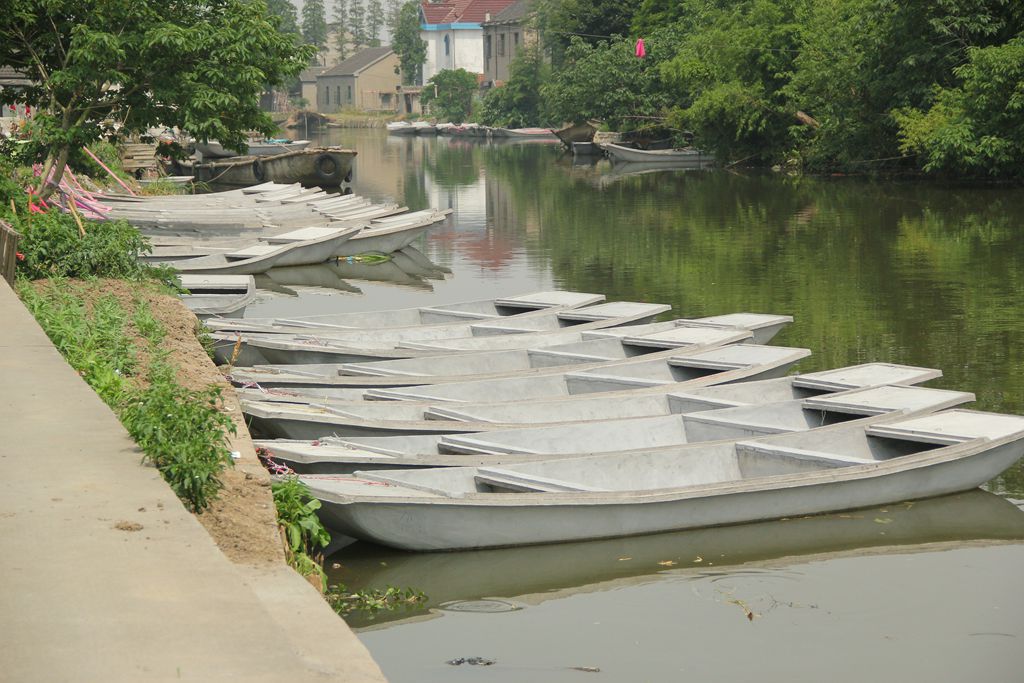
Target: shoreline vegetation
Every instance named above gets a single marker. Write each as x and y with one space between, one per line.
120 325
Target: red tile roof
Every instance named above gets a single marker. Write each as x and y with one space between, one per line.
462 11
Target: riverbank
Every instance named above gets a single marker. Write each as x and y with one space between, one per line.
109 577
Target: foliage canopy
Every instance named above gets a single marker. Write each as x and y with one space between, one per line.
117 67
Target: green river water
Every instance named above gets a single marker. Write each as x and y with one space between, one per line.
871 270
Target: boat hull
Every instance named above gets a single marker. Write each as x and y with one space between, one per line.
434 524
323 167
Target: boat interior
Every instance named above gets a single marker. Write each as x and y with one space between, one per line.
718 462
773 360
671 430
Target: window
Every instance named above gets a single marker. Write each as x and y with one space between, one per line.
348 94
487 47
501 45
515 39
337 94
447 46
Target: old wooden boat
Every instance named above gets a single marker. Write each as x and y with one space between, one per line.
223 296
587 349
322 166
354 346
747 362
700 485
212 149
426 417
301 247
689 156
582 133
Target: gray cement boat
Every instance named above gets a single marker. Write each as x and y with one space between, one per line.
348 346
334 453
296 248
700 485
587 349
217 295
459 312
530 576
688 369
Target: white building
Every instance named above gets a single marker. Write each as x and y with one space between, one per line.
454 35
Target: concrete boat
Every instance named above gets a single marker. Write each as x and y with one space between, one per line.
700 485
354 346
386 236
530 576
217 295
296 248
687 369
674 156
459 312
589 350
422 417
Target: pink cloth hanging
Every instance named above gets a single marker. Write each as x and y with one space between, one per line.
641 51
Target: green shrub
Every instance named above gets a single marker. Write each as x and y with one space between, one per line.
54 247
303 531
182 432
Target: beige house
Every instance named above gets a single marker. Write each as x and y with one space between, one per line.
308 91
367 81
505 34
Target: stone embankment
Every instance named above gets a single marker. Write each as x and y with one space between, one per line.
106 576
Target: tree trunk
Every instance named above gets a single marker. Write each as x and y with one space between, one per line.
55 165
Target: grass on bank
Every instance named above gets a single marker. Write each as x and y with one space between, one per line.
183 433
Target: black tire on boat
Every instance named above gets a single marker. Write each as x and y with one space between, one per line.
257 170
348 176
326 167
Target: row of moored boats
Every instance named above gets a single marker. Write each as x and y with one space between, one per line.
251 230
558 416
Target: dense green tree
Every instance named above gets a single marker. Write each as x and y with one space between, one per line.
449 94
374 21
607 82
392 11
861 60
977 127
731 64
284 10
357 23
407 44
314 23
341 28
592 21
518 103
200 65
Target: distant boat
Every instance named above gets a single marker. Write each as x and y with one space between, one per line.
214 150
577 132
321 166
415 128
689 155
524 133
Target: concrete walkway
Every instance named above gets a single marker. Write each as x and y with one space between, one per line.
104 576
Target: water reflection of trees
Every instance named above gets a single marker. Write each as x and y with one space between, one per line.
904 272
